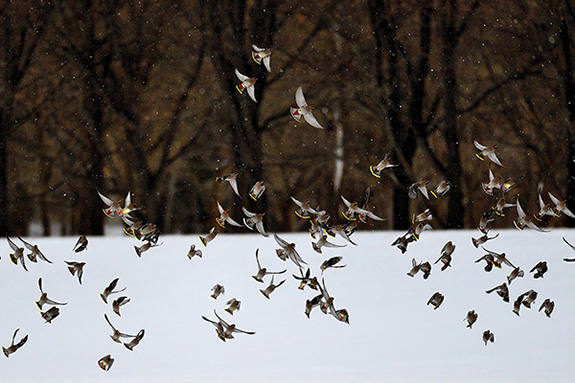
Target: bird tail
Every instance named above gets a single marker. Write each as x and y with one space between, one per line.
295 113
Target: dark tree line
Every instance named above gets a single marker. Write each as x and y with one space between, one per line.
115 96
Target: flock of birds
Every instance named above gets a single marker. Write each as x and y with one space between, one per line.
321 232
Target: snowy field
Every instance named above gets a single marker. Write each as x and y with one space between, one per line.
393 336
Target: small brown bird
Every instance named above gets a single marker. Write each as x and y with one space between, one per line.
471 318
304 110
517 304
257 190
481 240
76 268
502 290
254 220
35 252
233 305
14 346
43 300
106 362
488 336
262 271
501 205
515 273
540 269
436 300
560 207
145 247
493 184
117 303
487 151
136 341
353 208
225 217
422 217
17 255
441 189
306 280
193 252
217 290
305 211
332 262
523 220
109 290
311 303
113 206
324 242
425 269
271 288
415 268
530 297
548 305
50 314
247 84
421 186
225 330
262 55
445 257
499 259
81 244
208 238
383 164
232 179
117 335
489 259
342 230
288 251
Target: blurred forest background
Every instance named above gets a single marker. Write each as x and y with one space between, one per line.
117 96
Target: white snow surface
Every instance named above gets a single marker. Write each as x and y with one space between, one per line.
393 335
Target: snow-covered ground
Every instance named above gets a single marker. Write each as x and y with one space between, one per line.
393 336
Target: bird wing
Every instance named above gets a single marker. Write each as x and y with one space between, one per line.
110 323
493 157
260 228
211 321
240 76
234 184
535 227
310 118
221 320
554 199
252 93
248 213
27 244
232 222
43 257
299 98
570 245
105 199
479 146
243 331
521 214
423 191
128 200
345 201
280 241
267 63
295 257
12 244
258 259
329 244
